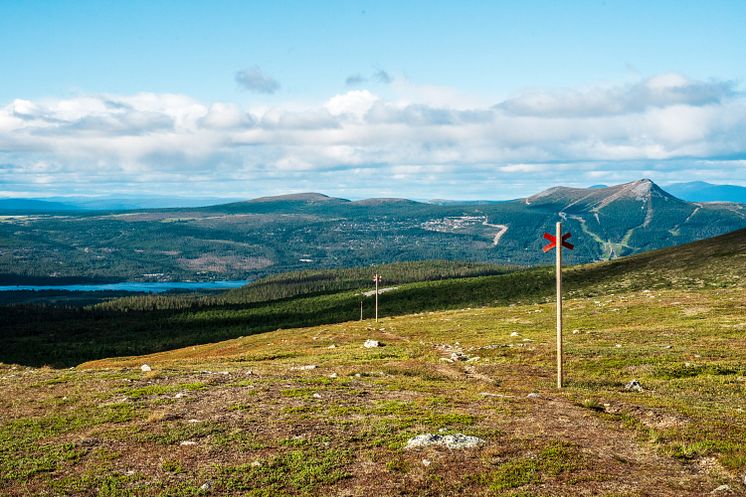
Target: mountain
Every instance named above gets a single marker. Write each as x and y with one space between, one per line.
269 235
33 205
699 191
77 203
310 197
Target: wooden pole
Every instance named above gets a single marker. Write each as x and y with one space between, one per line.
361 310
376 297
559 305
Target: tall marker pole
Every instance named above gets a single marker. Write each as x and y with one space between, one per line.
557 241
559 306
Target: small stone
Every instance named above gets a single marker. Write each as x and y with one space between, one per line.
619 345
249 372
206 486
426 462
256 464
358 375
721 489
515 334
370 344
145 368
459 356
179 395
193 420
188 442
575 332
129 472
333 375
455 441
317 396
633 386
533 395
332 346
304 368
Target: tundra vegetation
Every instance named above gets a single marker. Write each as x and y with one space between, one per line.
308 410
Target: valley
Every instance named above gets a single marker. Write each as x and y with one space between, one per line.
248 240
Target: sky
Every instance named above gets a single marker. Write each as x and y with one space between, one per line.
416 99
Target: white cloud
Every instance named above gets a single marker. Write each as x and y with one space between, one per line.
548 136
355 103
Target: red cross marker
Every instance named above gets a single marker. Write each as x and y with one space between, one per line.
562 239
553 241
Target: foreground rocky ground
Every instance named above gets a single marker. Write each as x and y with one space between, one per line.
314 412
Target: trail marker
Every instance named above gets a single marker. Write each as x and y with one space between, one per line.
377 280
553 244
361 310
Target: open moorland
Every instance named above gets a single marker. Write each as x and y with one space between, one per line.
310 411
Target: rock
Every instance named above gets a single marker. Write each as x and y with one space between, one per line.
179 395
722 489
145 368
256 464
192 420
206 486
459 356
455 441
304 368
317 396
249 372
533 395
633 386
515 334
188 442
332 346
426 462
333 375
619 345
370 344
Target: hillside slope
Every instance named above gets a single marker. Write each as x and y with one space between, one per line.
310 412
247 240
66 337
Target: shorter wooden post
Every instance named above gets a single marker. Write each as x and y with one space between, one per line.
361 310
376 278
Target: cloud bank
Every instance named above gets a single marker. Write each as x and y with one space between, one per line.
406 143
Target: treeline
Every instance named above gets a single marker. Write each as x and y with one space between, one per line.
308 283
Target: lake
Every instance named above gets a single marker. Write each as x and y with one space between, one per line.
134 286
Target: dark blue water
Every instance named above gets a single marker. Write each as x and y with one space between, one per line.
149 287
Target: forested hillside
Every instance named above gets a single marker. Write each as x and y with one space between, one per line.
248 240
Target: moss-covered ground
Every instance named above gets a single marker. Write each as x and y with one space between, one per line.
311 412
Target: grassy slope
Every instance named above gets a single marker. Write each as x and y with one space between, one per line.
108 429
260 426
63 338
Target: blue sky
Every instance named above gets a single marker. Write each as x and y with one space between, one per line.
417 99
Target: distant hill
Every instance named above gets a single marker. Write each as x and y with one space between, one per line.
77 203
269 235
699 191
32 205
